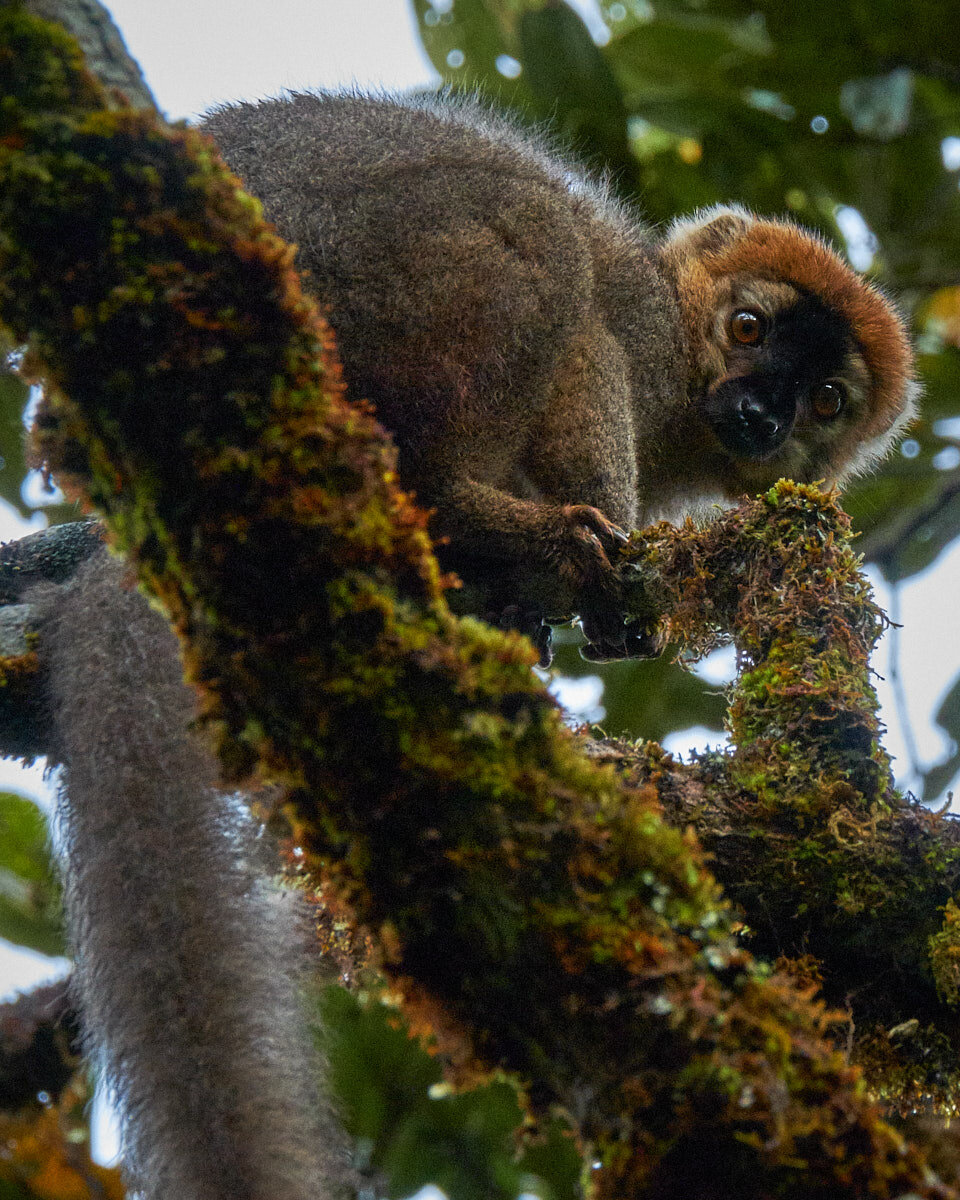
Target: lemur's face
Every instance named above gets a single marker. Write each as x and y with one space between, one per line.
793 383
800 368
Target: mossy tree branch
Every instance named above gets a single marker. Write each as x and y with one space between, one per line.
194 396
827 864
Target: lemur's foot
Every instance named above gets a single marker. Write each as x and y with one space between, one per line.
528 621
610 639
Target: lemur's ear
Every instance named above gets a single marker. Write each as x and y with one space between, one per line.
710 230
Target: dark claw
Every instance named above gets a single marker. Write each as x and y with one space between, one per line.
597 548
544 643
602 626
588 520
609 639
602 652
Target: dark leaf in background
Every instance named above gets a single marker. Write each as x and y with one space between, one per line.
14 394
910 511
948 718
410 1128
573 87
465 41
13 464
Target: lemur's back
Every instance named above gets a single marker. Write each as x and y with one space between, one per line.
452 252
499 309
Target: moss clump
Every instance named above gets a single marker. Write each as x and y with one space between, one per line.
945 955
808 836
857 894
912 1068
779 578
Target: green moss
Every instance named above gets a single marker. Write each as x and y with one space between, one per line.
867 889
945 955
912 1068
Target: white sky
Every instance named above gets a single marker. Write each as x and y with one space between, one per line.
196 53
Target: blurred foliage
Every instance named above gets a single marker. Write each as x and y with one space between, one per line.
846 116
14 396
46 1153
412 1130
29 892
13 465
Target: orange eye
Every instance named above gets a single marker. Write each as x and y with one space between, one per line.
748 327
828 400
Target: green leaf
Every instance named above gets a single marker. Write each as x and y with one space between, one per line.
939 777
409 1127
14 394
910 511
463 1144
555 1163
30 913
13 465
692 53
646 699
573 87
948 718
378 1072
475 30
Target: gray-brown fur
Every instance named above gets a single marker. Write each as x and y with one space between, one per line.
542 359
459 262
188 960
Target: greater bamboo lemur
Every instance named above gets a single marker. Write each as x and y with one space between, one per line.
552 373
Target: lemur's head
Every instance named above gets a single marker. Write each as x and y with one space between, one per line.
799 367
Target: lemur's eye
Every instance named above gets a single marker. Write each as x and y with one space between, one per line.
828 400
748 327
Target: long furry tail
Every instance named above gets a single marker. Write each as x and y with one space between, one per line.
188 962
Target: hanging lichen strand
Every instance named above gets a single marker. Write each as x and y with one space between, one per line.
195 399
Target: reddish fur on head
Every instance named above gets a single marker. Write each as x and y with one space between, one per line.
714 245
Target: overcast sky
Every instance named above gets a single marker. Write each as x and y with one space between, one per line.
196 53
